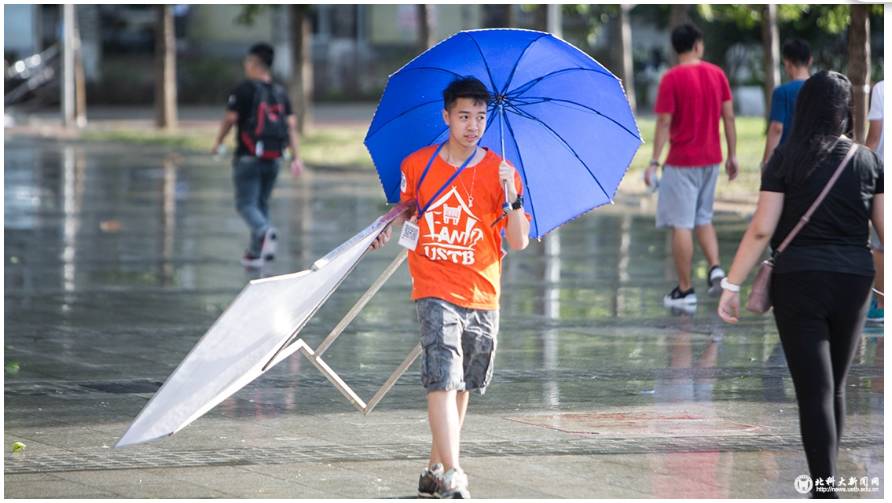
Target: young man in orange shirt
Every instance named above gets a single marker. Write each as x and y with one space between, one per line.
455 261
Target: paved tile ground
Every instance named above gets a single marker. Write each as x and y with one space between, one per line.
117 261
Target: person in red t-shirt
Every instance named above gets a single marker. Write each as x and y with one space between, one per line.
692 97
455 260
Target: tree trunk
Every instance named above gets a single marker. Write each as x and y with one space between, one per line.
510 16
678 15
80 84
425 37
499 16
80 88
301 67
624 54
540 18
859 66
165 69
770 54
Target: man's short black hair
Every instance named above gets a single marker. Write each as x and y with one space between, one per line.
684 37
264 52
797 52
465 87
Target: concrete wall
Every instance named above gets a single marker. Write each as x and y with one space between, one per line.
216 24
398 24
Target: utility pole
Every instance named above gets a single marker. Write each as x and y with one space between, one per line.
554 21
552 242
68 88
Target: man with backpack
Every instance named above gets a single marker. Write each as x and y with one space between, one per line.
265 127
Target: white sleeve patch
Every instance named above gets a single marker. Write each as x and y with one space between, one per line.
402 182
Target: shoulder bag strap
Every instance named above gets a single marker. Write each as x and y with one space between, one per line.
805 218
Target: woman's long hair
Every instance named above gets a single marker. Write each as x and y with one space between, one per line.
823 113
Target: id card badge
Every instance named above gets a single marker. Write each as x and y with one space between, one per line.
409 236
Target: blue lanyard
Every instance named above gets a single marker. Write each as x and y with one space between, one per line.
448 182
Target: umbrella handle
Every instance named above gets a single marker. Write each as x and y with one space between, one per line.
506 206
501 128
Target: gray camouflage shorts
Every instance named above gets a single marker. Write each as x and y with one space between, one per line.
459 345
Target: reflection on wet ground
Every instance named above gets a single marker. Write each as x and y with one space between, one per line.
117 260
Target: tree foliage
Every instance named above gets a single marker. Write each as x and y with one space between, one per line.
248 14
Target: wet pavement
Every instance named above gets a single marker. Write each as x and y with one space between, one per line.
118 259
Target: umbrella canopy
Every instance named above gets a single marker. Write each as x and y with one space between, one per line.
565 120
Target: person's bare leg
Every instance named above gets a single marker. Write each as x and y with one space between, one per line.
435 454
709 243
443 417
878 279
461 400
682 252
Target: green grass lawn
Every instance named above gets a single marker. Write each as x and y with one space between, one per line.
342 146
334 146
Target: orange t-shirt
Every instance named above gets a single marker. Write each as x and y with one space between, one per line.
459 252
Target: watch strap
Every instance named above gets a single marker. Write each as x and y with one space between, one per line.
518 203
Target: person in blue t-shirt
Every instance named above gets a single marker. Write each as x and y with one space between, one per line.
797 63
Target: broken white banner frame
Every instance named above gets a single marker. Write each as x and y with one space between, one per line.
315 355
259 329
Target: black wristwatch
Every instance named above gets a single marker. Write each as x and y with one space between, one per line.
518 203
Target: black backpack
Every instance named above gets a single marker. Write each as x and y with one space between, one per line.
266 133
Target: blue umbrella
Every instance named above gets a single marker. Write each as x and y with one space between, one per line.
560 117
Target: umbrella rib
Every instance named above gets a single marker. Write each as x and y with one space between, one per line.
523 174
401 114
523 88
432 68
517 63
567 145
485 63
561 100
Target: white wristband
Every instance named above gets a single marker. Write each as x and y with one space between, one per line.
731 287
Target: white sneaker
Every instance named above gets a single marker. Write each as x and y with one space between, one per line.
714 281
454 485
429 481
268 248
677 298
